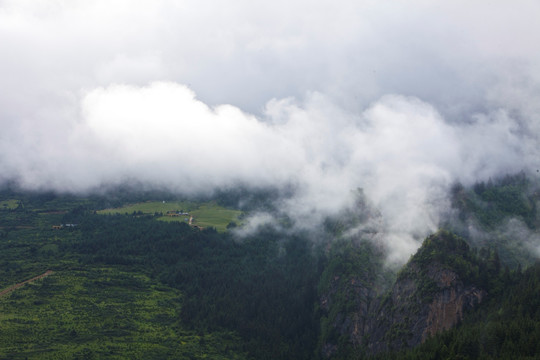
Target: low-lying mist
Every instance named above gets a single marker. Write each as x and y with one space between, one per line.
400 151
398 102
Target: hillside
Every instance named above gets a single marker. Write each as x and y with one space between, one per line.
127 285
201 289
500 214
431 294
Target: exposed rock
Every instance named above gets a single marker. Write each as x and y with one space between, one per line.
448 306
428 297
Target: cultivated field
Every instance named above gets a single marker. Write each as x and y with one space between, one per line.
204 214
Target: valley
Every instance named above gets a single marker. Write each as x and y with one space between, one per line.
136 280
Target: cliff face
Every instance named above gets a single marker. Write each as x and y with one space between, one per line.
347 289
450 302
431 294
354 296
421 304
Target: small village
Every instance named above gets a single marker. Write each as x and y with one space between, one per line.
187 218
61 226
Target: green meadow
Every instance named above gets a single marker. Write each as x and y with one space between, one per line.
152 207
204 214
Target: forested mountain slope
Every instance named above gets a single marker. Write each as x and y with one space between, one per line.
130 286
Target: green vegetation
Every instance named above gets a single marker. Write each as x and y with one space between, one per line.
134 287
488 209
348 278
205 215
102 312
261 288
9 204
507 326
212 215
152 207
88 310
490 203
450 251
131 282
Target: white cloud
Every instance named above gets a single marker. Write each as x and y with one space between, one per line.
399 99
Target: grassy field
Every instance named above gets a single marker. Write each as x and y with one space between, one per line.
152 207
101 312
204 214
9 204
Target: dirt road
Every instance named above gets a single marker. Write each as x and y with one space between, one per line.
16 286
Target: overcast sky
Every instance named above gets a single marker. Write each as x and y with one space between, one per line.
400 98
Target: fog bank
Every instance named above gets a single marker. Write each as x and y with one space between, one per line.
401 100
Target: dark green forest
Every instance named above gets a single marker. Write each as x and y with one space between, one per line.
129 286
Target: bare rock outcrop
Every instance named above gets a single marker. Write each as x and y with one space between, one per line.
432 293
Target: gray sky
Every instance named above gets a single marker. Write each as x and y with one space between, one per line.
400 98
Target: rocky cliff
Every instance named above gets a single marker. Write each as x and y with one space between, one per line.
431 294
